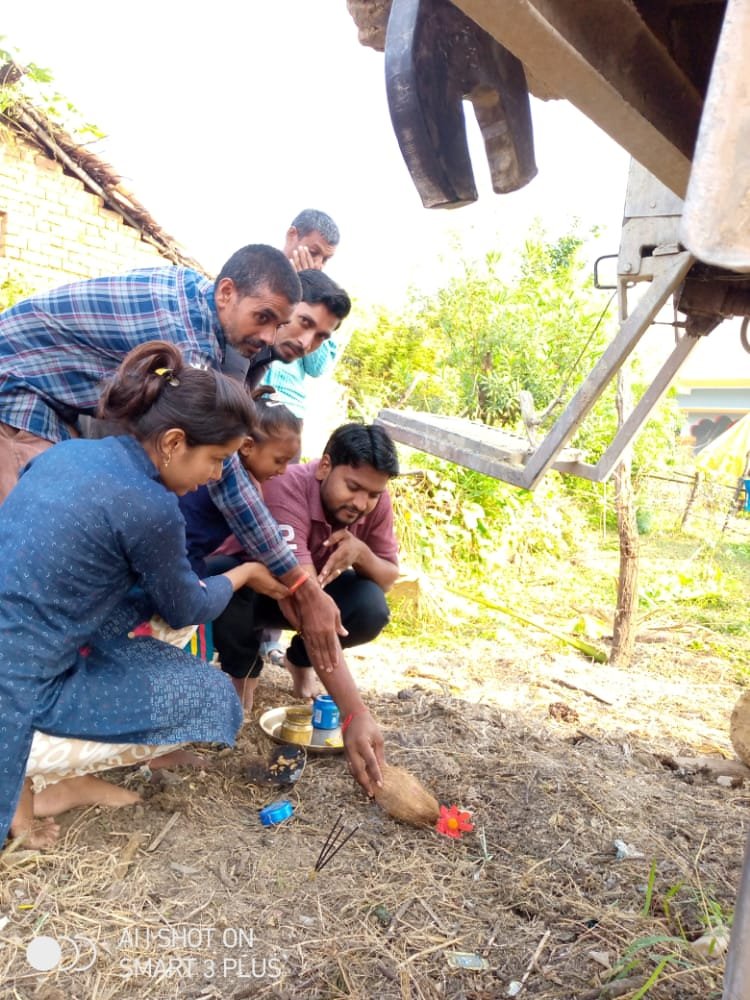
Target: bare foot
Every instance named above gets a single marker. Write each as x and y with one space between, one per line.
41 833
82 791
179 758
245 688
305 681
35 833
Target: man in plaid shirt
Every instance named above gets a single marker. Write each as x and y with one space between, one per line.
57 347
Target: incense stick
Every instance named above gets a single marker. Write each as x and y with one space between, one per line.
333 843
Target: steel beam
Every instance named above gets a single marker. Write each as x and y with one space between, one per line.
488 450
502 456
629 335
638 417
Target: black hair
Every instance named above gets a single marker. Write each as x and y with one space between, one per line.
154 389
256 268
317 287
363 444
310 220
272 417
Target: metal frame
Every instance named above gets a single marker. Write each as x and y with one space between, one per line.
669 271
628 337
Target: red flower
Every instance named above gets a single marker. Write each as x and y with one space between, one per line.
453 822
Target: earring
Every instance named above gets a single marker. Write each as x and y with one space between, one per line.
167 460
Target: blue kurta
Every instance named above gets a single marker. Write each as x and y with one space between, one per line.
88 521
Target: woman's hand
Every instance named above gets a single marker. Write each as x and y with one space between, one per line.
257 577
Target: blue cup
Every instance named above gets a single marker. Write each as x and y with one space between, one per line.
325 713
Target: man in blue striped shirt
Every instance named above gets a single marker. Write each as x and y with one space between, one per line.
311 240
57 347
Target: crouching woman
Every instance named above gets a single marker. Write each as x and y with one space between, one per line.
92 542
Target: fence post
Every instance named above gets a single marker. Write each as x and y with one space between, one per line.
734 504
691 499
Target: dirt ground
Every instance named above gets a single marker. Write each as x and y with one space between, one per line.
595 862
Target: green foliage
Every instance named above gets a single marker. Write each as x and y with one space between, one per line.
35 85
687 913
700 584
486 335
11 291
491 332
463 525
388 361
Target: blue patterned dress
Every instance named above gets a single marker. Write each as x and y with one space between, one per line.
87 522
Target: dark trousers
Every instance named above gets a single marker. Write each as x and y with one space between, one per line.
237 630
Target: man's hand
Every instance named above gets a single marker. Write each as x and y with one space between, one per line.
363 745
319 625
302 259
346 550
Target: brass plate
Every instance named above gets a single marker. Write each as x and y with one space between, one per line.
270 722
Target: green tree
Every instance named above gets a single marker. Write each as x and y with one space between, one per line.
488 334
492 332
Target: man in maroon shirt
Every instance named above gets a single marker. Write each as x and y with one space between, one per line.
336 515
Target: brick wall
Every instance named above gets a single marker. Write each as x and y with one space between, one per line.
53 231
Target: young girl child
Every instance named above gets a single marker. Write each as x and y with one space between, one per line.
92 542
273 442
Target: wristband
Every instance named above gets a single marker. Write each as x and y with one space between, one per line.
350 718
298 583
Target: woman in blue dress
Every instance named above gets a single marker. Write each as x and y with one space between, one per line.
92 542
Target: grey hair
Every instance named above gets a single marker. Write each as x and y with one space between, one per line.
310 220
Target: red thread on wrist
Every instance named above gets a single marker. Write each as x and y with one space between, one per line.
350 718
298 583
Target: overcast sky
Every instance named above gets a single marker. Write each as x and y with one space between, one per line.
227 118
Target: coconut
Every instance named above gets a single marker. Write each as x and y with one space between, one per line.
739 728
404 798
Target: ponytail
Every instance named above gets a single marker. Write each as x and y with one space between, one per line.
272 417
154 390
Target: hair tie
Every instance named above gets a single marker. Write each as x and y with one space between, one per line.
168 375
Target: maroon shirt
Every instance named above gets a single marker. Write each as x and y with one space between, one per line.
294 501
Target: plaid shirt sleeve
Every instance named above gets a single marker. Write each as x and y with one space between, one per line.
57 347
249 519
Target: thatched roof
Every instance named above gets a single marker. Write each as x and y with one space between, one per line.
97 176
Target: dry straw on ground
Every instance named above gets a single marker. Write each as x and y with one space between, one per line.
189 896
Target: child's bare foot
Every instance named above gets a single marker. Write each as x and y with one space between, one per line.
81 791
305 681
245 688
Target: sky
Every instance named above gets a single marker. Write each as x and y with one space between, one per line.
225 119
